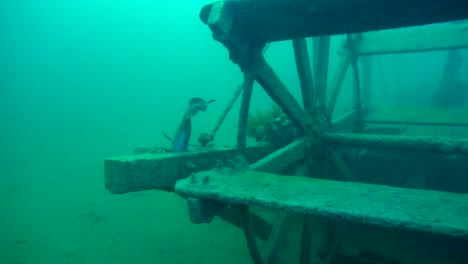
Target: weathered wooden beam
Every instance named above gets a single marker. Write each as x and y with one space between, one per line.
340 166
276 234
366 63
282 158
232 214
306 233
205 210
304 71
271 83
160 171
345 123
415 39
443 145
337 80
357 104
249 80
390 207
323 55
275 20
315 49
220 19
356 85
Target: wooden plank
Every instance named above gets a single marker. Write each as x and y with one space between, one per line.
443 145
160 171
415 39
275 20
338 78
340 166
323 55
275 88
366 63
273 241
249 80
304 71
390 207
282 158
356 87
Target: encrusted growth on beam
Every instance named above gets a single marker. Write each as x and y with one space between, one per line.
275 20
389 207
134 173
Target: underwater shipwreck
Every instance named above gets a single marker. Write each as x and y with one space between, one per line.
373 185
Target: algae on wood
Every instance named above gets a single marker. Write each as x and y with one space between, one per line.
389 207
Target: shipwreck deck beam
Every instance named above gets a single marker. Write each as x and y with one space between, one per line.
389 207
141 172
275 20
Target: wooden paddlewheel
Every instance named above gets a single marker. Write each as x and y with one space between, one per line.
363 187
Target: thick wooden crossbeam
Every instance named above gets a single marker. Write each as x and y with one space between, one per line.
282 158
304 71
275 20
444 145
415 39
141 172
390 207
275 88
321 71
337 79
453 116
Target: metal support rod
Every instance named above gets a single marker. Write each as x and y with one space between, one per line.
304 71
443 145
226 110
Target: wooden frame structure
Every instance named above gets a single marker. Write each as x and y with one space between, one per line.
244 27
